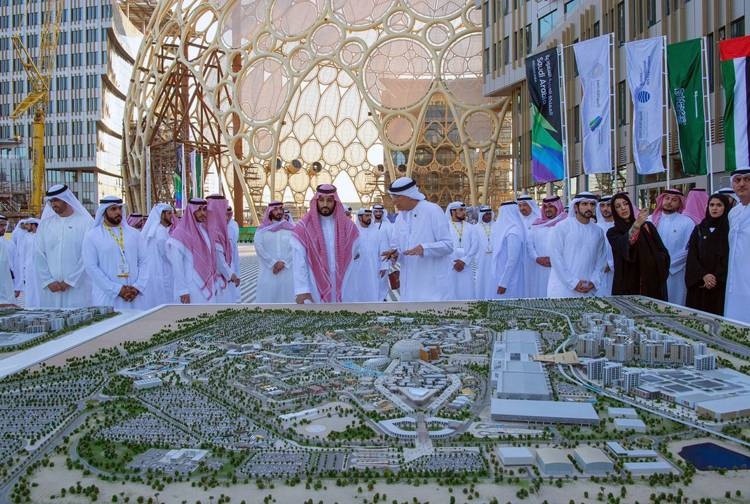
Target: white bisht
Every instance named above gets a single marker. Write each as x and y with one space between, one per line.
645 73
593 61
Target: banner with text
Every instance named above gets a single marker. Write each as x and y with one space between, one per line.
543 77
735 72
684 71
645 74
593 61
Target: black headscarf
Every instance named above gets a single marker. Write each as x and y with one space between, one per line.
643 266
721 222
622 225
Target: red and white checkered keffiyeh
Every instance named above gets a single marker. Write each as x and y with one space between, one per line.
309 233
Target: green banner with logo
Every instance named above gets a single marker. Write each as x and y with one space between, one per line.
685 74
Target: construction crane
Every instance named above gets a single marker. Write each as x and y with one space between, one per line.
39 74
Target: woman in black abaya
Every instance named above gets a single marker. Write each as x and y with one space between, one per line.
640 258
708 256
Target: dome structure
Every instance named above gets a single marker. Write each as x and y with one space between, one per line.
406 350
376 363
278 96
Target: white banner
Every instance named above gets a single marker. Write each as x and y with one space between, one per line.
593 61
645 73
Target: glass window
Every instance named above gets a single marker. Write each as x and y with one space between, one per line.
528 39
737 28
498 54
570 5
577 123
545 24
651 12
597 30
622 104
621 23
506 51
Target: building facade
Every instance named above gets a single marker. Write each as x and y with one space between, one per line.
514 29
84 123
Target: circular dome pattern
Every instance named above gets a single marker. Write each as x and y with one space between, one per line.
281 95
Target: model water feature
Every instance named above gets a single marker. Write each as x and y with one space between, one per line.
710 456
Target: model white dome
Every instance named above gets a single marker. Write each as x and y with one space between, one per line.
406 350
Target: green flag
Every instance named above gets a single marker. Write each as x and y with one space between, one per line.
686 91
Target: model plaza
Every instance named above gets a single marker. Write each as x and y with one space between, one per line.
275 397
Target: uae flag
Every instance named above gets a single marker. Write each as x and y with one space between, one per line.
735 72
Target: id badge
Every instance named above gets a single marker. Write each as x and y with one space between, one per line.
122 270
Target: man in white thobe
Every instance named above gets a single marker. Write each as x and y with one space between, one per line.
539 246
385 229
30 281
421 243
530 212
58 262
380 217
675 230
160 287
738 279
605 220
20 248
465 248
369 269
324 247
114 256
233 231
216 225
272 244
485 281
508 252
7 293
193 256
578 255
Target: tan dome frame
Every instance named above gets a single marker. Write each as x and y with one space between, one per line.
281 95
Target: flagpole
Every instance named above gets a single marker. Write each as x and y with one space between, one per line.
193 186
666 106
564 117
147 155
613 101
707 119
183 161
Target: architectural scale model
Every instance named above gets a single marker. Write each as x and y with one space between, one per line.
24 328
571 400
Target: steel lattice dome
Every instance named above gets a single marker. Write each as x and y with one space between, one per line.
279 96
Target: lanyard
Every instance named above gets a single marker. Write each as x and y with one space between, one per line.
459 233
487 230
119 240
